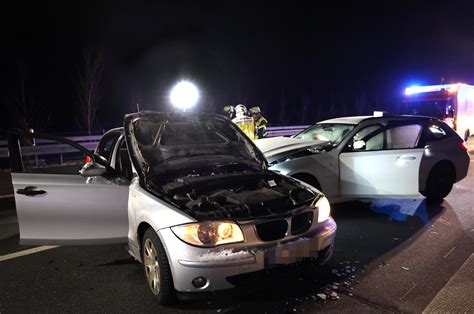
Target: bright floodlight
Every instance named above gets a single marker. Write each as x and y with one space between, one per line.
184 95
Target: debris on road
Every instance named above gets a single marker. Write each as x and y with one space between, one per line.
322 296
405 268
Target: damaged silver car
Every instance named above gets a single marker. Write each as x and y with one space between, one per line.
191 195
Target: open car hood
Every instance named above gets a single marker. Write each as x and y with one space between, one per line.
164 142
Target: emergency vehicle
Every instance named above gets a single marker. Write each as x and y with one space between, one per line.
451 103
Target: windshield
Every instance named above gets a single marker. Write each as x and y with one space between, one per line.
434 108
178 141
329 132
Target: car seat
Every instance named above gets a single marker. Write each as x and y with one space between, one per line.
124 164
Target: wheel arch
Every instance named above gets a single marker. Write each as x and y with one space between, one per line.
308 178
142 228
440 163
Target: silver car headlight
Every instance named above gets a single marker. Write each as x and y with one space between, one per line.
209 234
324 209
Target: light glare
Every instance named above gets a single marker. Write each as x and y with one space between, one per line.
451 88
184 95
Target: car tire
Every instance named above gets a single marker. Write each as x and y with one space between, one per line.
307 178
157 268
440 182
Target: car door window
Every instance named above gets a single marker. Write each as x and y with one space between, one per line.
374 143
39 155
123 164
106 145
402 137
396 137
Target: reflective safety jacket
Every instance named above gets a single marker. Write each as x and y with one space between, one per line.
246 124
261 127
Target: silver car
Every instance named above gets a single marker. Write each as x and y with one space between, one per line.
191 195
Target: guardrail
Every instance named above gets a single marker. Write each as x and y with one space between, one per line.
285 130
47 147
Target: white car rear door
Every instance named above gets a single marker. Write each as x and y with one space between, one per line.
55 204
387 163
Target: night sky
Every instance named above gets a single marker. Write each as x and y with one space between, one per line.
299 63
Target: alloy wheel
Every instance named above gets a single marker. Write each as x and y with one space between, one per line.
152 267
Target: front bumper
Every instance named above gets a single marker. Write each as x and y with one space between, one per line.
220 265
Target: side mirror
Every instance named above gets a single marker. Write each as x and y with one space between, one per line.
92 169
358 145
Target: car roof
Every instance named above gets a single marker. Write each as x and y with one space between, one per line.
347 120
358 119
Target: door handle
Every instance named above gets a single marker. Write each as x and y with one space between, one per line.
30 191
404 157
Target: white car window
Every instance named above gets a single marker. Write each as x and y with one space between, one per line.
106 145
374 143
49 156
366 131
405 136
399 137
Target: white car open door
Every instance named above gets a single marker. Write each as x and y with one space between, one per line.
385 163
55 203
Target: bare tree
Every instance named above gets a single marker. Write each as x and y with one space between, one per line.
22 105
89 77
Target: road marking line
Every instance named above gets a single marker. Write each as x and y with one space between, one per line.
450 251
27 252
409 290
6 196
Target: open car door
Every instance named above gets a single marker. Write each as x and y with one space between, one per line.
384 163
55 203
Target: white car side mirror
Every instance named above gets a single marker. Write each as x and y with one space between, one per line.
92 169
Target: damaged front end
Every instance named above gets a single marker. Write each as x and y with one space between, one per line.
247 222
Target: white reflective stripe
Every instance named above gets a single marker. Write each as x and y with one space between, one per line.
27 252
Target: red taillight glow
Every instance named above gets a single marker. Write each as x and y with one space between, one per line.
88 159
464 146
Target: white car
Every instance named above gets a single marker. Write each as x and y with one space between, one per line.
191 195
372 156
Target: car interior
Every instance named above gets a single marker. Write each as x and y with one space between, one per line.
123 163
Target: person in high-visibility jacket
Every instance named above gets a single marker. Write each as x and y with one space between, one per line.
229 111
244 122
260 123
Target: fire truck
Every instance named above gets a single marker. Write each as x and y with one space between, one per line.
451 103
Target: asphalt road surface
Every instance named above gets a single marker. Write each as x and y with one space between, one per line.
390 256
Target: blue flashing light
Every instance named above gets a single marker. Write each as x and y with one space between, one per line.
431 88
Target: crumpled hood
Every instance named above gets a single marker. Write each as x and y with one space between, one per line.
161 142
277 145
